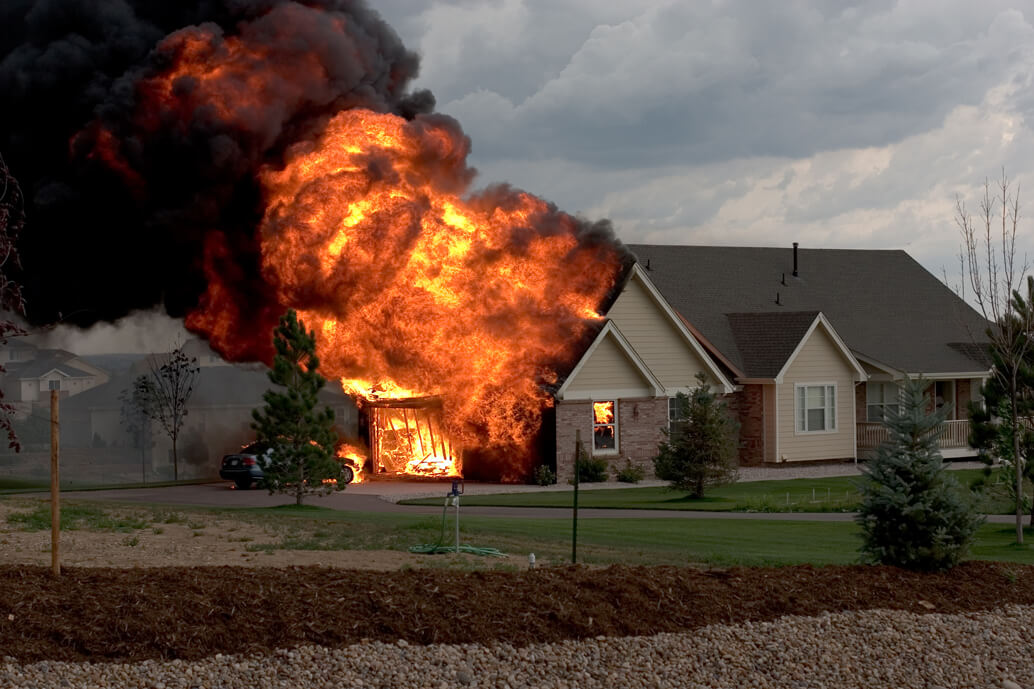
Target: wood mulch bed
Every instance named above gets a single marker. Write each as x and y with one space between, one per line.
102 614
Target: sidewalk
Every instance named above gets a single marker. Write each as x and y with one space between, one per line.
394 491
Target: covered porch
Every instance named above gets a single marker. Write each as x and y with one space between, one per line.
953 440
880 394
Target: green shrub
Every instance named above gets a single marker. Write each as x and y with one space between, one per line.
631 473
702 450
591 469
544 476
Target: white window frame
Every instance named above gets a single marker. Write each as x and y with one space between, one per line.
800 413
882 402
617 441
673 414
51 386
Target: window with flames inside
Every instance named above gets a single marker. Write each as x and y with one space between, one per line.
604 427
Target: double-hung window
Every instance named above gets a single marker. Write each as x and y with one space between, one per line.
816 407
675 420
880 398
604 426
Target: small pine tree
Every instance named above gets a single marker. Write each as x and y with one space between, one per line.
301 437
702 450
913 513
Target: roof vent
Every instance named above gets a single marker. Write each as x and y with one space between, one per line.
648 264
795 259
777 299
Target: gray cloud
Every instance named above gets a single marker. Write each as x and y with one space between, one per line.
689 82
741 122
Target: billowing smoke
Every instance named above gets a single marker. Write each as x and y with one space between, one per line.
227 159
129 169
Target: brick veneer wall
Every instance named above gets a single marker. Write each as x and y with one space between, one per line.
963 394
639 431
748 407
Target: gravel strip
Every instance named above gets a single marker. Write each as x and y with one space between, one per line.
875 648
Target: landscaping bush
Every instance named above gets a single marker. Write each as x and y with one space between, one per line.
913 514
631 473
702 450
591 469
544 476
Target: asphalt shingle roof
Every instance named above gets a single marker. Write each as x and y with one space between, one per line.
884 305
62 361
766 340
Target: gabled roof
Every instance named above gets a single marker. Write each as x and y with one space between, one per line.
58 360
766 340
770 342
882 303
611 330
679 323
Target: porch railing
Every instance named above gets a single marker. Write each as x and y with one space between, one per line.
954 435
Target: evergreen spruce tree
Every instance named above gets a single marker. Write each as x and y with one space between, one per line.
913 514
701 451
301 437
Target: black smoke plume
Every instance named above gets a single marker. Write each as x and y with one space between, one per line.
123 196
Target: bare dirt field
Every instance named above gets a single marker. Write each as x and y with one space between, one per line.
181 542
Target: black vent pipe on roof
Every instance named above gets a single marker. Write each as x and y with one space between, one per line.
795 259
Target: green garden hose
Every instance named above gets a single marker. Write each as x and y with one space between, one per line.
439 547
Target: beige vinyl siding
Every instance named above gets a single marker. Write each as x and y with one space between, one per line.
769 405
818 362
656 339
608 370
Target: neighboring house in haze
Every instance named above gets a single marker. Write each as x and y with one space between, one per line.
32 373
808 344
218 417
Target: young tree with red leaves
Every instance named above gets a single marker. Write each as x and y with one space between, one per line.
12 219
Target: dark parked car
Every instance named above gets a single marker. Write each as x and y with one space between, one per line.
242 468
245 468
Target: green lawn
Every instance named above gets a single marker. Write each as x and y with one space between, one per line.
721 542
836 494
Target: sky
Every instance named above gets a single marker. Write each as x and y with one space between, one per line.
737 122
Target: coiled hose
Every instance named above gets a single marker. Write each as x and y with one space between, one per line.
439 547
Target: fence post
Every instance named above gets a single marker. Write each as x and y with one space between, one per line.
55 487
574 525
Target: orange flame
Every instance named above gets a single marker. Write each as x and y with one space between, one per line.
603 412
415 290
356 459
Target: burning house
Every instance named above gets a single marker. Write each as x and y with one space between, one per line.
268 176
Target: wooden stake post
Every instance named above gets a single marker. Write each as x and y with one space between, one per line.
574 526
55 487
